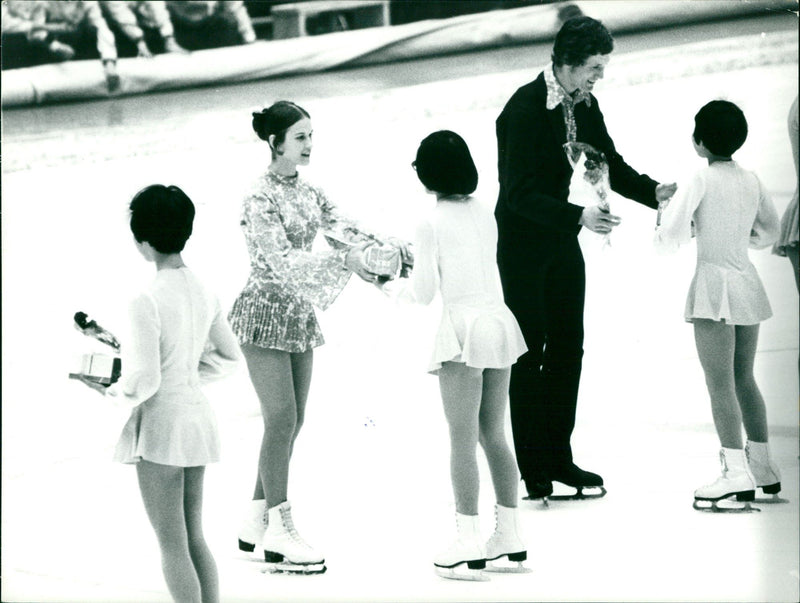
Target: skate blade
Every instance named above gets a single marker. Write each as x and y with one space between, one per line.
724 506
581 494
544 500
461 573
499 566
295 568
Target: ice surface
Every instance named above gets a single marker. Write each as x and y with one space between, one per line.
369 482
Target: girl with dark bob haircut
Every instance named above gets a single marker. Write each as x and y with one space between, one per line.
721 127
728 210
178 340
580 38
162 216
444 164
477 342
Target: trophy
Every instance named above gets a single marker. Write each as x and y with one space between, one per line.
100 368
592 165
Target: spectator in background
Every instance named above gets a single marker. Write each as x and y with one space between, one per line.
141 26
58 30
208 24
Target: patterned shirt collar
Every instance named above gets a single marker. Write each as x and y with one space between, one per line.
556 93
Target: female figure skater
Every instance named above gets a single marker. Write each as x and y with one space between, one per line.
179 339
274 318
477 342
730 210
788 243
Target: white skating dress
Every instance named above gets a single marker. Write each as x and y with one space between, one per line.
455 253
731 212
179 338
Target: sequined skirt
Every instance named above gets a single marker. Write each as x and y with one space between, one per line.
275 320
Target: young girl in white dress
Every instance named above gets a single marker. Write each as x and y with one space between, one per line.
477 342
179 339
730 211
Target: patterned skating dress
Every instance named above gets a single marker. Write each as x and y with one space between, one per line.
455 254
179 340
280 219
731 212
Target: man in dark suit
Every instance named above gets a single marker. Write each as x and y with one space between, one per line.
540 260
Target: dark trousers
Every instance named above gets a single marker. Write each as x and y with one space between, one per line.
544 284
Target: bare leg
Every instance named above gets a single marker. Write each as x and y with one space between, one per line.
493 439
461 388
198 549
274 374
751 402
715 343
162 488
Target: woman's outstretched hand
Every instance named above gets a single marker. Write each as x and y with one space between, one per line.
354 261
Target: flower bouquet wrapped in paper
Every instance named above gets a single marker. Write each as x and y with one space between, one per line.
591 164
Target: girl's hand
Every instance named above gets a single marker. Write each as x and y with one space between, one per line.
354 261
406 252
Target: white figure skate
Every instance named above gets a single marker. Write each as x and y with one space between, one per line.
505 550
465 559
251 531
765 472
735 481
284 550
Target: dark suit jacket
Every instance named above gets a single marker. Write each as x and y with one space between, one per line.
534 171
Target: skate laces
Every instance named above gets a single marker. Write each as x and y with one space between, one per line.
288 523
724 464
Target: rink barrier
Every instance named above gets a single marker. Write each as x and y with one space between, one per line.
84 80
469 94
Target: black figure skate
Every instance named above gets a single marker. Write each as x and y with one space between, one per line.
573 476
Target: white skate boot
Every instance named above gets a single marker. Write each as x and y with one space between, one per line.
253 527
736 480
467 551
765 472
506 542
284 550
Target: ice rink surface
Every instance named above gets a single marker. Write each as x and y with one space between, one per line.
369 481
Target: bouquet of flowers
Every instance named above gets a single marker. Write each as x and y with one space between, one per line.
593 166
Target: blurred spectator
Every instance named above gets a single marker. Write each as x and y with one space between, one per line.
207 24
43 31
141 26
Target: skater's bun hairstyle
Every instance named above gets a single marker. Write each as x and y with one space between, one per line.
275 120
578 39
721 127
162 216
444 164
